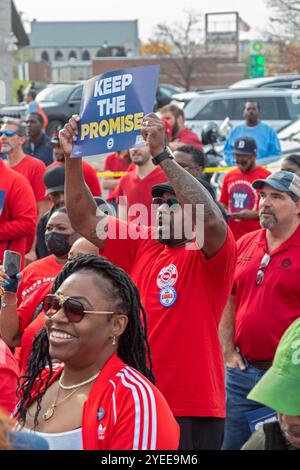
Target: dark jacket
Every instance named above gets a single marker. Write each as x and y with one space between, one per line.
43 150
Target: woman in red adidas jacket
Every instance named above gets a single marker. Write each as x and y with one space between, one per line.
100 396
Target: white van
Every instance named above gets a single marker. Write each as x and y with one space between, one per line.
278 107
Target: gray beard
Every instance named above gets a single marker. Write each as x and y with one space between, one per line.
269 224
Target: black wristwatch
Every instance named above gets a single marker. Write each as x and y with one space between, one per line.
167 153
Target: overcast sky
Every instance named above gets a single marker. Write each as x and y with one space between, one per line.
148 13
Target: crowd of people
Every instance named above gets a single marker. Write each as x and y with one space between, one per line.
160 317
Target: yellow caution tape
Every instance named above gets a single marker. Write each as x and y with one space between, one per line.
118 174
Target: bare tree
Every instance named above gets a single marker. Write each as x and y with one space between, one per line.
284 28
284 19
184 38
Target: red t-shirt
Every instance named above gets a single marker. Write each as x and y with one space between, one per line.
184 296
18 212
9 373
90 177
36 275
264 312
238 194
124 411
139 191
33 169
187 137
115 162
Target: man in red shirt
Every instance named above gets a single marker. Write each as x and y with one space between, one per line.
89 172
17 211
172 272
238 197
265 298
12 135
181 134
134 190
115 162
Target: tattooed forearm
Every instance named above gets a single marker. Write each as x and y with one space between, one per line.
189 190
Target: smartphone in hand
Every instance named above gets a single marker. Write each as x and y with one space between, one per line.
11 267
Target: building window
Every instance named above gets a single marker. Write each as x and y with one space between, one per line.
72 55
86 55
59 55
101 52
45 56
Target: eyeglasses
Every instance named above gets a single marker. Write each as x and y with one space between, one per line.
73 308
262 269
7 133
159 201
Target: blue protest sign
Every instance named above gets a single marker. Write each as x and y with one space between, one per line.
2 199
112 109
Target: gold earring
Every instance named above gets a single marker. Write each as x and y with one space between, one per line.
114 341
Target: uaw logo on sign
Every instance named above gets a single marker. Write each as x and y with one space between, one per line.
167 296
167 276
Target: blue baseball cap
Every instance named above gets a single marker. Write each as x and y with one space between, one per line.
284 181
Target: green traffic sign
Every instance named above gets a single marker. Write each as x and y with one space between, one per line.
257 66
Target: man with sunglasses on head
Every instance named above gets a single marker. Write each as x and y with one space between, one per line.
265 298
238 196
172 272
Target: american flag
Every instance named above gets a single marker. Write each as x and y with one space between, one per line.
243 26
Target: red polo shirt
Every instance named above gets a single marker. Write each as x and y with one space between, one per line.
187 137
139 191
115 162
184 295
263 313
238 194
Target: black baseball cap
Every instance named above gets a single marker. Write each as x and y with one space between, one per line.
159 189
54 179
245 146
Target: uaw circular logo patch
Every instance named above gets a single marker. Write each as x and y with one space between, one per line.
167 296
167 276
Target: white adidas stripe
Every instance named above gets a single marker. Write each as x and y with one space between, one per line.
142 389
137 410
153 408
114 401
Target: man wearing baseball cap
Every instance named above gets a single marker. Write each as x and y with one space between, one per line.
238 197
265 299
279 389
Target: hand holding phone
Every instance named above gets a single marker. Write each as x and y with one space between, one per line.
11 267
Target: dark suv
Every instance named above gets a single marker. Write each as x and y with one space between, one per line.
58 101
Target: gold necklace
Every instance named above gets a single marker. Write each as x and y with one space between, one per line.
51 410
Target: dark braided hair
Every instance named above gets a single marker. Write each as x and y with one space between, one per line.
133 347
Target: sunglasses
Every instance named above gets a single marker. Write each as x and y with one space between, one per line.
262 269
159 201
7 133
73 308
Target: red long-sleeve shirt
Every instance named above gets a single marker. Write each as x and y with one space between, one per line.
18 212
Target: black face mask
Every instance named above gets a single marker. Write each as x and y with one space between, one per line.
58 243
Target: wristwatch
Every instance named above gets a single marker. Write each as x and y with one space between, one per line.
167 153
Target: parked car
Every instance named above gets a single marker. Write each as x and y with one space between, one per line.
58 101
165 93
278 107
280 81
